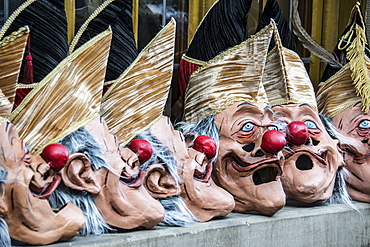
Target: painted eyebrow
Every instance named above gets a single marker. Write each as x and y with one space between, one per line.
357 103
246 103
305 105
276 106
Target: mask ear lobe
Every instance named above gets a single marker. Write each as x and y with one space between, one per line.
78 174
159 182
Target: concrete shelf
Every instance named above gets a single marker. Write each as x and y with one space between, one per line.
326 225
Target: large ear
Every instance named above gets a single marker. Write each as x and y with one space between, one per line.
78 174
160 183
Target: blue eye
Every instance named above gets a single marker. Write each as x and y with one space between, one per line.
247 127
310 124
281 125
272 127
364 124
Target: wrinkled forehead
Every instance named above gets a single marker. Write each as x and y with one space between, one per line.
99 130
294 111
165 133
259 111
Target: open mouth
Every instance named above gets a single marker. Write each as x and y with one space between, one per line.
47 189
264 171
203 176
133 181
265 175
304 161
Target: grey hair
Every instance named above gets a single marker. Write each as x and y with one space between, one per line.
4 232
81 141
205 126
161 155
177 213
94 222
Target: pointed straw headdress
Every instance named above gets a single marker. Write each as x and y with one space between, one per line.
11 53
234 75
351 83
67 98
285 78
136 100
47 22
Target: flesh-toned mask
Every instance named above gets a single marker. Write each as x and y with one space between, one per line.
117 188
355 124
23 205
201 195
312 157
245 169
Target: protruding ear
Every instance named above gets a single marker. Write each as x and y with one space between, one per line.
159 182
78 174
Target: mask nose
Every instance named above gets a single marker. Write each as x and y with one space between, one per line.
296 133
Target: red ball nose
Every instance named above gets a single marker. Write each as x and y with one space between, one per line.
56 155
296 132
142 148
273 141
205 145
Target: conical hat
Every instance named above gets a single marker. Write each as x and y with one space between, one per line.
351 83
47 22
67 98
11 53
136 100
285 78
234 75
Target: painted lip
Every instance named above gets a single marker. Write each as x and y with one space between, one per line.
203 176
47 189
321 157
242 167
133 181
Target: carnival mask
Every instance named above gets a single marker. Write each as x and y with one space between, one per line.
117 188
30 181
355 124
312 159
246 170
201 195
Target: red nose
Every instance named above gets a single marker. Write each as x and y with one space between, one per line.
296 132
273 141
56 155
205 145
142 148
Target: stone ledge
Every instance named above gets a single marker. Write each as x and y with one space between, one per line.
325 225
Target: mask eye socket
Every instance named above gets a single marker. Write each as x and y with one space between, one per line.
310 124
248 127
272 127
364 124
281 125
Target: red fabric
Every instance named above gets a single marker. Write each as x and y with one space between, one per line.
28 68
185 70
106 87
20 94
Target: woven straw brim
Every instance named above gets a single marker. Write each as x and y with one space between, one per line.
136 100
11 53
234 75
338 92
67 98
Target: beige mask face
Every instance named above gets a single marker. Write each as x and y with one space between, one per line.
309 168
118 192
243 168
202 196
355 124
25 208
